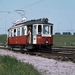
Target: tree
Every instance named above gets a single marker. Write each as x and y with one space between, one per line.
57 33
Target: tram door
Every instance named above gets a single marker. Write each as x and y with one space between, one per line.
34 34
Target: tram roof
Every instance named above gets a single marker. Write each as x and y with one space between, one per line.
31 22
38 21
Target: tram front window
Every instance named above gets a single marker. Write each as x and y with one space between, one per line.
46 29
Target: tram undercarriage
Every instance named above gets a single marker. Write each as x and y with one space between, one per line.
32 47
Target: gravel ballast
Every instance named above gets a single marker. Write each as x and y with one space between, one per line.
44 65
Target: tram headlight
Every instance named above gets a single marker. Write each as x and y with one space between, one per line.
46 41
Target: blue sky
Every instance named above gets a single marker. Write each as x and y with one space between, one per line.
59 12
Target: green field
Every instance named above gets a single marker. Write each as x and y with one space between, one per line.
63 40
12 66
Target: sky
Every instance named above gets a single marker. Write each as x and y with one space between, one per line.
59 12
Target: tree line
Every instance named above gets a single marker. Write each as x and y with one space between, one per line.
64 33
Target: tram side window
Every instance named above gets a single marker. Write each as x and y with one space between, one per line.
8 33
34 31
18 32
23 31
11 33
39 29
14 32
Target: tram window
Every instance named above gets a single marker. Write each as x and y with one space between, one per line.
46 29
34 32
14 32
18 32
23 31
8 33
39 29
11 33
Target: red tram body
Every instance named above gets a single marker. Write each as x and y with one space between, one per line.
39 38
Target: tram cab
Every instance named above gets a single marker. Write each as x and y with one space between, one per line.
41 35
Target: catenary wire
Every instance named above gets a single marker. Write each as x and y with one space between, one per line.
19 9
4 17
32 4
4 6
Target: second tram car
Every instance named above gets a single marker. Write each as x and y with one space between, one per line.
33 35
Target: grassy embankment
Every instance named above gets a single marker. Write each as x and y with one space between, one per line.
12 66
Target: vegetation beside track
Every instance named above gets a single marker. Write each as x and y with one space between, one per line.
3 39
12 66
63 40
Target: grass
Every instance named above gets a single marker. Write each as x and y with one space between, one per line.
3 39
12 66
63 40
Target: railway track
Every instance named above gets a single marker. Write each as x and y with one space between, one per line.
64 49
58 52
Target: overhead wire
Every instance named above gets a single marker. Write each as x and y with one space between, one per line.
32 4
5 11
22 7
15 10
19 9
26 7
4 17
4 6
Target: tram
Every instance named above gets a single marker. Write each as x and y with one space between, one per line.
33 35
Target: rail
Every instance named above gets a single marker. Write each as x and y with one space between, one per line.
58 52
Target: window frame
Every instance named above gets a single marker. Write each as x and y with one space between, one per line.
48 35
23 31
18 34
38 29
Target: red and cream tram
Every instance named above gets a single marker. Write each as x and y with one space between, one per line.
32 35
